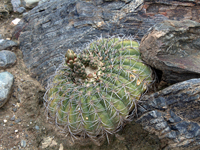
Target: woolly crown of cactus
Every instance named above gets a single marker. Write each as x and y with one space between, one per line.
94 93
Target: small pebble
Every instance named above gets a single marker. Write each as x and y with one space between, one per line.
14 109
23 143
7 58
13 118
37 127
16 21
5 121
18 120
21 9
16 131
11 124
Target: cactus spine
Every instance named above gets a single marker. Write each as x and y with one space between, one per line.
93 93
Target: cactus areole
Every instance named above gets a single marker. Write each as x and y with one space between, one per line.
94 93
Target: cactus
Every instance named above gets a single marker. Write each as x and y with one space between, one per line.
94 93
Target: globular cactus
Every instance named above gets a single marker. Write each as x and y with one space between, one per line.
94 94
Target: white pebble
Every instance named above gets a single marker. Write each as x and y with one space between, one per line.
15 22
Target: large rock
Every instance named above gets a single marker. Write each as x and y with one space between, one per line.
173 113
6 84
50 29
174 48
7 58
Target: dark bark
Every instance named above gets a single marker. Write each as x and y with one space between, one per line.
174 48
173 113
48 30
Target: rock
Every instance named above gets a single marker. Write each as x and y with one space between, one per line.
37 127
13 118
42 1
6 84
61 147
21 9
18 120
48 142
183 11
31 3
23 143
15 21
16 5
173 113
14 109
7 44
174 48
7 58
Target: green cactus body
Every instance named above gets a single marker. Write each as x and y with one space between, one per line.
93 93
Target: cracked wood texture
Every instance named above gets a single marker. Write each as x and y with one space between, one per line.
173 114
50 29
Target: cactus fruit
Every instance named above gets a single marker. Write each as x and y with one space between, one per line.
94 93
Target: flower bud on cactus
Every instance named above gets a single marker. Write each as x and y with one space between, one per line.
84 59
71 58
93 64
94 94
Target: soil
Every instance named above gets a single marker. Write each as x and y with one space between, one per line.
23 124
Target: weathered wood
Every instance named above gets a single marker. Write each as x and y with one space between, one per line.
48 30
174 48
173 113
